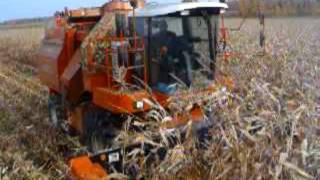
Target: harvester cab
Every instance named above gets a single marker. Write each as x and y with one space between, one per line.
123 65
181 40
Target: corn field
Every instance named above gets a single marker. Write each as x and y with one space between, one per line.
268 129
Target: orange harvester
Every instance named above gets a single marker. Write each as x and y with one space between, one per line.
124 59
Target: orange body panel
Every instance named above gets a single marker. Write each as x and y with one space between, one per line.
71 69
93 80
48 69
72 79
48 56
67 51
120 102
83 169
55 53
116 5
85 12
161 98
81 35
196 115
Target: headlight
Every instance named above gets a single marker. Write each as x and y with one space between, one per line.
139 105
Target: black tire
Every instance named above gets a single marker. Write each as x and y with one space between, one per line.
98 130
57 112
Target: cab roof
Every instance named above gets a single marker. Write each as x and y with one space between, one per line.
154 9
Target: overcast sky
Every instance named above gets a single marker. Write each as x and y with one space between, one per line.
15 9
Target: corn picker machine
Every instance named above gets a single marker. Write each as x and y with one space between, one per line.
120 68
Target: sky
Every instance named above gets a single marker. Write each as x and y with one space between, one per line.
16 9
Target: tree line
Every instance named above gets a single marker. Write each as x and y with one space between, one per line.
276 7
